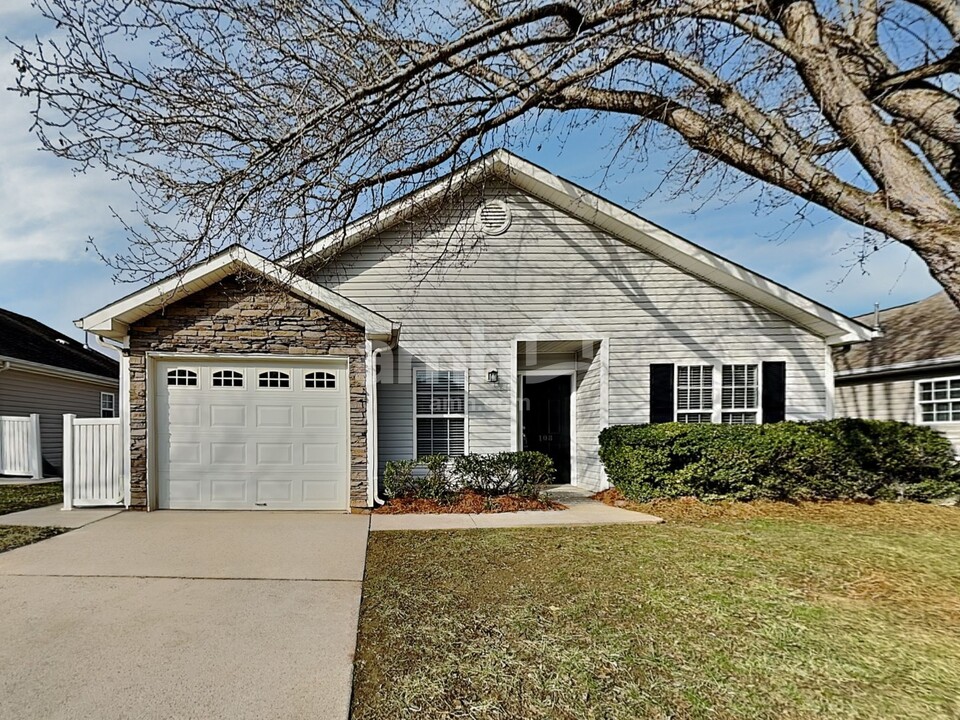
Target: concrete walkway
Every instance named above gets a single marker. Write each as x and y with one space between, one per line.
56 516
16 480
581 510
184 615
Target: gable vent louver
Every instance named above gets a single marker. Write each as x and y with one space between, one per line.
493 217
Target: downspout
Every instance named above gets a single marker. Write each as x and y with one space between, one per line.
373 426
5 365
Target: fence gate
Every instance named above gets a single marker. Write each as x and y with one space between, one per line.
20 446
92 462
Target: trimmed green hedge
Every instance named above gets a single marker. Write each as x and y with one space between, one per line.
845 458
438 477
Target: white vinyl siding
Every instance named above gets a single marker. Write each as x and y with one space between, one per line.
588 417
464 299
891 398
441 412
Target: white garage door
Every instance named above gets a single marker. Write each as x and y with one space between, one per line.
245 435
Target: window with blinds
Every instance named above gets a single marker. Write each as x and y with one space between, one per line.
694 393
739 395
441 412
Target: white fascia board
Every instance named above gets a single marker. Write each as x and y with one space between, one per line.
114 320
837 328
58 372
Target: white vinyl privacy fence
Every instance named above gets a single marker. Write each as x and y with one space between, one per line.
92 462
20 446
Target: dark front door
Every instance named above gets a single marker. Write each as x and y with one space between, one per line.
546 420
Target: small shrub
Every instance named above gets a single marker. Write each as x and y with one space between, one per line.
428 478
438 477
508 473
436 483
398 478
823 460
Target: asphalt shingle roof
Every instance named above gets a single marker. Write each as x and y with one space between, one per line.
925 330
24 338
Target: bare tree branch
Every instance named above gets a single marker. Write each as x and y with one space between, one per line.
272 123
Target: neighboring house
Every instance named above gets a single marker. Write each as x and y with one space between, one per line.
43 371
911 373
503 308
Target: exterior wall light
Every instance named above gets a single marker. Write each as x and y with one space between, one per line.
493 376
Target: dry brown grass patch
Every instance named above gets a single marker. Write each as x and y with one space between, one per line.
866 515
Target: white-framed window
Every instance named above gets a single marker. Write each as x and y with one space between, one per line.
273 379
938 401
694 401
740 394
440 408
320 380
227 378
181 377
735 400
108 405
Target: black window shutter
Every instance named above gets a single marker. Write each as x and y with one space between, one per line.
661 392
774 400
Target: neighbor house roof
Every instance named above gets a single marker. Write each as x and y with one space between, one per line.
601 213
114 320
32 343
923 333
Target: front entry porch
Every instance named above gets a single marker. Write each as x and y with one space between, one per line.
561 401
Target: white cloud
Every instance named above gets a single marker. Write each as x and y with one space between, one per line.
46 211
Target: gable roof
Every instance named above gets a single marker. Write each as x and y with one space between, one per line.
923 333
836 327
114 320
26 339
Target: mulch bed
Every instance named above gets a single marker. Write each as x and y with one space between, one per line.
468 502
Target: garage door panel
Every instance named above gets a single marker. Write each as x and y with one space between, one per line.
227 415
276 453
232 490
329 454
228 453
185 415
319 492
234 447
185 453
322 416
274 416
277 490
185 491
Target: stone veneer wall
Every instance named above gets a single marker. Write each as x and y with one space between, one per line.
246 314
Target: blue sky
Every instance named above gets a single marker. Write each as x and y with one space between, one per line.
48 272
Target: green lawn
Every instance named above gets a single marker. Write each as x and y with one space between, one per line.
14 498
838 611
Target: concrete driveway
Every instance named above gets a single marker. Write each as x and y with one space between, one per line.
184 615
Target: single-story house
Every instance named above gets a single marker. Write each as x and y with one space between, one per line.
911 372
500 308
45 372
